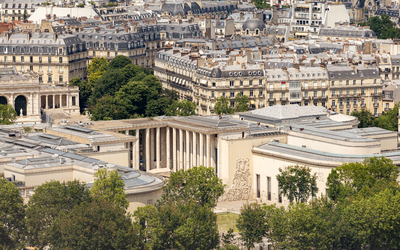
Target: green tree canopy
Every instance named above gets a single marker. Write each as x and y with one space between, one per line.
119 62
252 224
109 187
108 108
199 184
181 108
241 103
372 175
12 216
85 90
261 4
93 225
222 106
382 26
389 120
297 183
365 118
7 114
51 199
183 218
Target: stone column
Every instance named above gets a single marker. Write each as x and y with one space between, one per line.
168 163
54 101
147 149
12 100
180 149
194 148
208 151
174 149
31 101
47 101
137 150
60 100
187 150
201 156
158 155
152 153
67 101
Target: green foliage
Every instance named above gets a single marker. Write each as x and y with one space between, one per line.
93 225
222 106
25 16
199 184
85 90
81 5
228 238
365 118
96 68
109 187
27 129
12 216
382 26
389 120
241 103
44 207
297 183
183 218
119 62
371 176
261 4
181 108
7 114
252 224
108 108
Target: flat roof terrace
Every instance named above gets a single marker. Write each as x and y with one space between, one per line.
316 157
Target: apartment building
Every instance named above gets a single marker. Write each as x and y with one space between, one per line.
55 58
355 87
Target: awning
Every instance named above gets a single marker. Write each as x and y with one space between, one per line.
251 102
173 79
184 81
301 34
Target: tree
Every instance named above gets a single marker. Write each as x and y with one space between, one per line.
297 183
389 120
85 90
261 4
371 176
108 108
228 240
382 26
7 114
181 108
241 103
251 224
44 207
183 217
25 16
96 68
93 225
199 184
222 106
375 219
365 118
12 216
109 187
119 62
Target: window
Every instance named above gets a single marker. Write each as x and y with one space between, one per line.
375 111
348 102
323 84
5 59
22 68
223 94
31 68
73 101
341 92
283 96
241 93
259 82
40 68
333 103
315 104
232 104
315 84
340 83
375 91
375 100
271 87
49 69
375 81
232 94
271 96
269 188
362 101
251 82
60 69
348 112
60 78
306 85
305 103
260 93
355 102
333 83
348 92
40 78
347 82
323 93
60 59
354 82
49 59
362 82
323 104
355 92
241 83
258 185
315 93
213 84
231 83
305 94
362 91
279 195
251 92
22 59
283 86
294 85
13 58
49 79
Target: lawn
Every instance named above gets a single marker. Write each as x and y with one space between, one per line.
226 221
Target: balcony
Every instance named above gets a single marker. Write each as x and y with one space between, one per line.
363 105
271 99
355 105
376 94
283 99
341 106
376 105
387 109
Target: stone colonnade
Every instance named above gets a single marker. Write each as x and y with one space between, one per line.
53 101
167 148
